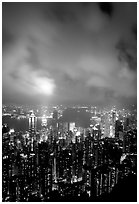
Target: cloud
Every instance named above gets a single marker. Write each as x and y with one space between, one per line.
73 49
106 7
93 19
128 53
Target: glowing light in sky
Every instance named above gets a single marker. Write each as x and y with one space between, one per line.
45 85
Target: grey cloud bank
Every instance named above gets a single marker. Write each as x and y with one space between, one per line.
69 52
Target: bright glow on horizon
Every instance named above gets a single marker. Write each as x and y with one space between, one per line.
45 85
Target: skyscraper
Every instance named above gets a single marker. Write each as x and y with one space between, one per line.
32 122
44 121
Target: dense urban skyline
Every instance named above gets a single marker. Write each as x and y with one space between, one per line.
69 154
69 53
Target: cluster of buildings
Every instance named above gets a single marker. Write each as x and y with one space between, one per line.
67 160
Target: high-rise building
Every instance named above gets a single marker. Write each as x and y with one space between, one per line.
32 122
71 126
32 129
44 132
5 128
118 129
44 121
55 115
107 126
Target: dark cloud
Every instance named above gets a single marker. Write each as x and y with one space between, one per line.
128 54
63 13
69 80
32 57
134 30
14 75
106 7
7 38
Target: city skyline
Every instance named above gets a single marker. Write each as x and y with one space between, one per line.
69 154
69 53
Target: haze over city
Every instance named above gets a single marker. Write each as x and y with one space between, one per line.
71 53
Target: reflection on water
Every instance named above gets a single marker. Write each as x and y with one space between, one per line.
19 124
80 117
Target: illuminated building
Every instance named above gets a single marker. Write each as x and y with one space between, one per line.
32 129
32 122
71 126
13 188
96 132
95 120
45 163
126 124
44 121
44 132
31 168
64 164
55 126
7 163
112 122
65 127
118 128
54 173
5 128
12 136
78 161
5 176
130 141
107 126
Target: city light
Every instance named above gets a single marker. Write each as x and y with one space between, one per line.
66 157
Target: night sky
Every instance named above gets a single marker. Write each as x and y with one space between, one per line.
70 53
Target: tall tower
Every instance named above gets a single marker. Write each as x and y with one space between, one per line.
113 120
44 128
32 122
107 125
44 121
54 172
55 125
